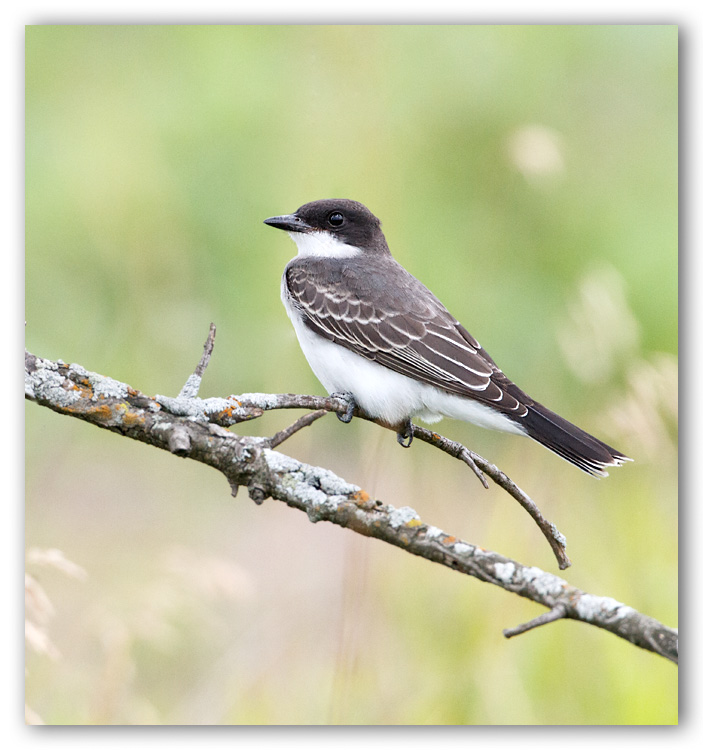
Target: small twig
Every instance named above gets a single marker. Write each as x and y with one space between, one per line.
207 351
304 421
556 539
192 385
477 463
452 448
557 612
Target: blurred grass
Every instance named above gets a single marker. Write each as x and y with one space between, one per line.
540 165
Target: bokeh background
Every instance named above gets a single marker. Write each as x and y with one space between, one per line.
528 175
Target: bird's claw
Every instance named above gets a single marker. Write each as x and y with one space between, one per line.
351 406
406 435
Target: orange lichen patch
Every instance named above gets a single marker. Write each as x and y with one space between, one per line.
448 540
229 413
131 418
84 382
362 498
82 386
102 412
99 413
226 412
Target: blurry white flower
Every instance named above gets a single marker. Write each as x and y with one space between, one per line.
601 329
536 151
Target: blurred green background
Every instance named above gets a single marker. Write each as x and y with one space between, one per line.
540 165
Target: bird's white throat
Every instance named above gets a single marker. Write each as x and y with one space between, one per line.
322 245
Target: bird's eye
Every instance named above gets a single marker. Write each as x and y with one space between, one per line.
336 219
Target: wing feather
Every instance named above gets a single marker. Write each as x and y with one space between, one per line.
406 329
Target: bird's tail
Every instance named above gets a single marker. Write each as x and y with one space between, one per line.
570 442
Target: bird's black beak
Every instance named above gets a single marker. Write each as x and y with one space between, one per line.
289 223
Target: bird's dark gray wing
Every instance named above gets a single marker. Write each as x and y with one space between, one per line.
401 326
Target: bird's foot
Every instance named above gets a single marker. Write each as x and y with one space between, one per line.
350 401
405 437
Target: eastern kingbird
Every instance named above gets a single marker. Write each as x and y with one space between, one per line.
374 334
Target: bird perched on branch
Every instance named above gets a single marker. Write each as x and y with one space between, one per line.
376 336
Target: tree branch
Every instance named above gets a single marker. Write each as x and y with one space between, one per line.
193 428
240 408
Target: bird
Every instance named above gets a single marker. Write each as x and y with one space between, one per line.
378 338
